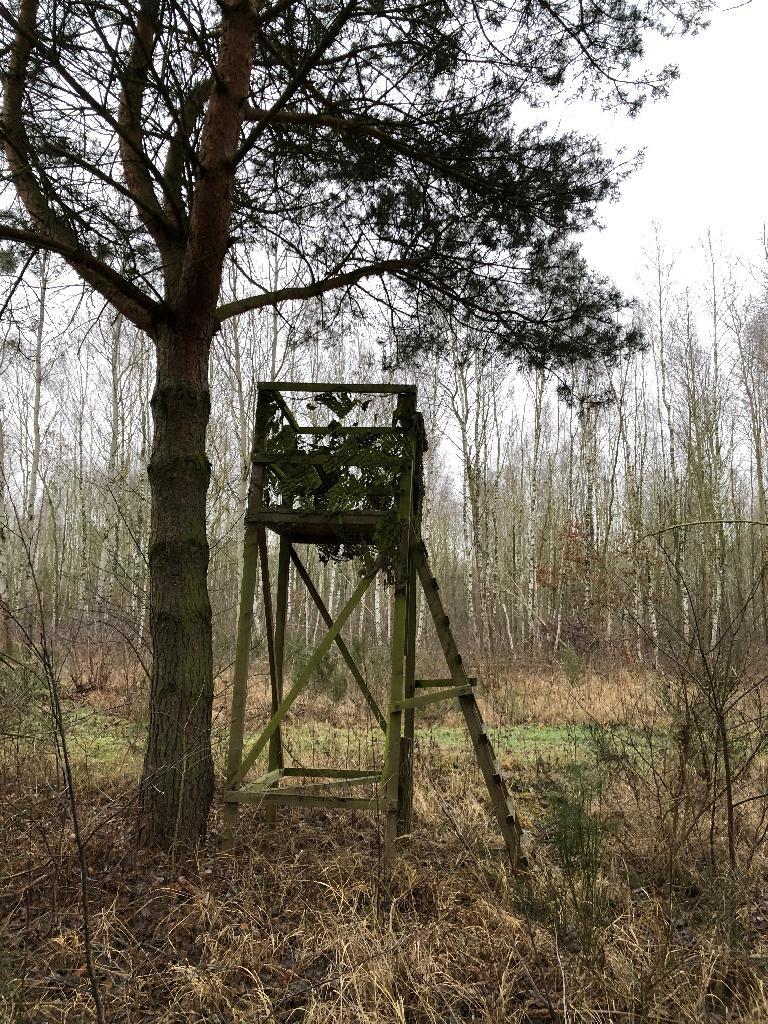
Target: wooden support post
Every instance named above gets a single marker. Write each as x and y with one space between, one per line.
394 730
405 794
405 797
240 679
244 628
275 646
281 610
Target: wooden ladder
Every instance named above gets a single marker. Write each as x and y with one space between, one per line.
501 800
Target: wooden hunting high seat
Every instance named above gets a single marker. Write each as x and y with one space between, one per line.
354 491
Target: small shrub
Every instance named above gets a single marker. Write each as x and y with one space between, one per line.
578 831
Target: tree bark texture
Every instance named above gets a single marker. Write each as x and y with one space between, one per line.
178 771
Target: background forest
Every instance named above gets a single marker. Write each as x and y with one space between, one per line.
599 534
578 512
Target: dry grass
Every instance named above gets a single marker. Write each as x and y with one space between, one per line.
300 925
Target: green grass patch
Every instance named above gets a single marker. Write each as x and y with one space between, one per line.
528 740
317 743
104 741
109 742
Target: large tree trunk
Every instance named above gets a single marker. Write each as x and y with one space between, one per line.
177 784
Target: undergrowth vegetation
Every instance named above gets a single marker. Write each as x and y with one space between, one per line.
632 908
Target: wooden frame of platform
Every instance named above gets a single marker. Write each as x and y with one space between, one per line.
390 789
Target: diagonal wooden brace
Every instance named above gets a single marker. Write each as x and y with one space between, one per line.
345 652
302 680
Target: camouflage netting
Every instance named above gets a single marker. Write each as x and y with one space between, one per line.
359 473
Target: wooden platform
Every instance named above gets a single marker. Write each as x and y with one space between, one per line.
319 528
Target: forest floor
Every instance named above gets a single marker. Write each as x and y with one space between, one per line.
628 912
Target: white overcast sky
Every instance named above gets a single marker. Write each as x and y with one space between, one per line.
706 150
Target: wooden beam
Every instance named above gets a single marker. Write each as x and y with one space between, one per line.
277 517
319 785
296 799
329 460
330 773
267 780
284 408
429 684
349 389
432 698
352 431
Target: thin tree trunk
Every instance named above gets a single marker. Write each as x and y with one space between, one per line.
111 541
5 562
533 508
30 504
